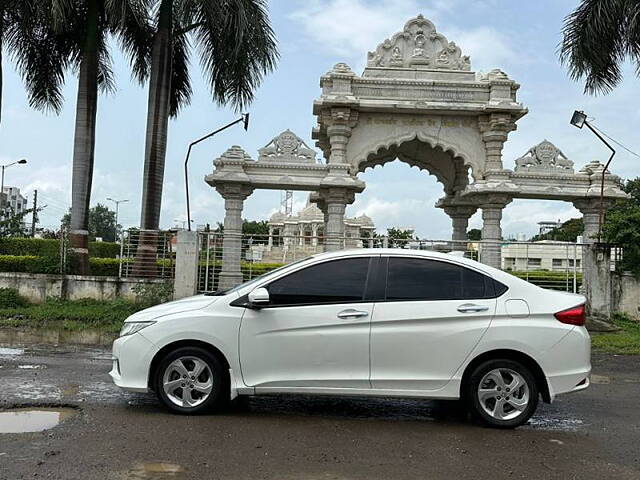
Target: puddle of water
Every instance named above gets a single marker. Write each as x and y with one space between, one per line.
33 420
556 424
10 352
156 470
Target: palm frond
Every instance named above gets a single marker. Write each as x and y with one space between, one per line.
596 41
237 49
130 23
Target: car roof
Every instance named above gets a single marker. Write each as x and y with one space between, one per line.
358 252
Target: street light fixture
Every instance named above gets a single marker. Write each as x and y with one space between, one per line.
579 119
117 202
22 161
244 118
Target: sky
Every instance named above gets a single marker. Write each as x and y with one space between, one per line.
521 38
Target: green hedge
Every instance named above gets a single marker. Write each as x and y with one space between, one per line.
33 264
41 247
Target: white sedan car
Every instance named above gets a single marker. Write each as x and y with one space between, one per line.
380 322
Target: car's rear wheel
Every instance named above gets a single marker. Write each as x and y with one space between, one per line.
502 393
191 380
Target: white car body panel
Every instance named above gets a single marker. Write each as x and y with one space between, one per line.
410 349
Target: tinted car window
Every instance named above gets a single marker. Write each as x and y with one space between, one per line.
418 279
337 281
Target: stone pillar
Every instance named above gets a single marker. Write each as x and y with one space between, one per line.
495 130
185 282
301 234
234 197
491 247
335 200
270 236
596 262
289 233
460 221
314 234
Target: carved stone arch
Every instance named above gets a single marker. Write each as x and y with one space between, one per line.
390 148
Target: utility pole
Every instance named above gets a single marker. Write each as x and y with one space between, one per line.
34 213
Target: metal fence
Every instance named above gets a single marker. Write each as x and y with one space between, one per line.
554 265
147 254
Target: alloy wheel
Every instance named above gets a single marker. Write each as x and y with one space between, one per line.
503 394
188 381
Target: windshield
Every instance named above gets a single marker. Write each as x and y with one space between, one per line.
253 280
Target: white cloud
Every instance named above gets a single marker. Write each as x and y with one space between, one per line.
351 28
487 47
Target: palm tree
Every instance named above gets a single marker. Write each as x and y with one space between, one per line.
73 34
598 36
237 48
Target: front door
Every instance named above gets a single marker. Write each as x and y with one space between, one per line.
433 315
314 332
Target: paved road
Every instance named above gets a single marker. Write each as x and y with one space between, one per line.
593 434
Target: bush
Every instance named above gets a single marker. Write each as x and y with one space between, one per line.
104 267
10 298
41 247
29 264
150 294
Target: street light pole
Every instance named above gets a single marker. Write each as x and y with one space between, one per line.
117 202
245 119
579 119
19 162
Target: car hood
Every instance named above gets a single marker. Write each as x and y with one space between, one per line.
177 306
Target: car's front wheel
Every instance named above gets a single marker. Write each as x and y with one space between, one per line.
191 380
502 393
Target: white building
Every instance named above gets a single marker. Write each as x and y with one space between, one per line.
14 198
543 255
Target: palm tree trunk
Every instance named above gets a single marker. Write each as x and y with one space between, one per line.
156 142
84 144
157 119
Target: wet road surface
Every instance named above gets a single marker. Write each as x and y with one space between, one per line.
593 434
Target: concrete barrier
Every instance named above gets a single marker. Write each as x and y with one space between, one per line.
38 287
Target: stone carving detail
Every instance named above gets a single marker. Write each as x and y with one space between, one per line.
287 148
419 46
544 158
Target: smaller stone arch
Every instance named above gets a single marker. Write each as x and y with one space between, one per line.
440 158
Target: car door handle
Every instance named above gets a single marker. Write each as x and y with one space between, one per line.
472 308
351 313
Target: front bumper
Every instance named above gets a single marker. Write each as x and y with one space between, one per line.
132 356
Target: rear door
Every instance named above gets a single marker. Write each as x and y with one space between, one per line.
433 314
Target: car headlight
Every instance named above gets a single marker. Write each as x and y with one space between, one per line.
130 328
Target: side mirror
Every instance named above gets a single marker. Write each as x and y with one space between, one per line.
258 297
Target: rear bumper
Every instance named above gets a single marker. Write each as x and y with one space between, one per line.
131 359
568 363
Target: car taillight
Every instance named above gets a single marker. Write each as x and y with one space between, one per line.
572 316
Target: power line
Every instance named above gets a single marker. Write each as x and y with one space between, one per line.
615 141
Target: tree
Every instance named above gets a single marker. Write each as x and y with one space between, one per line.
399 238
12 224
622 227
475 234
598 36
567 232
73 34
102 223
237 48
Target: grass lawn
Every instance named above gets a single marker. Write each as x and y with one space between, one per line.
70 315
626 341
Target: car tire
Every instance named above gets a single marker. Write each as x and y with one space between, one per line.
191 380
501 393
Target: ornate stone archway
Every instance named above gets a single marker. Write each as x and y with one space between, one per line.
417 101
